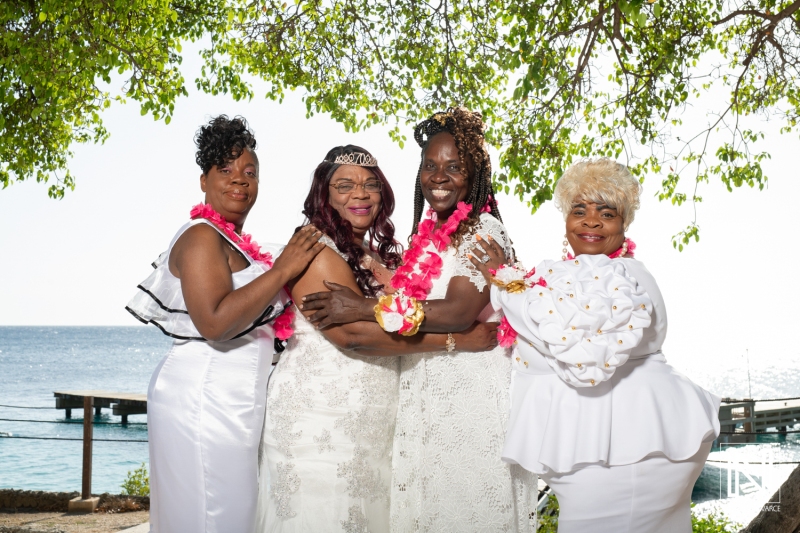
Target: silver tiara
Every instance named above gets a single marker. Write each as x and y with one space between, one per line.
356 158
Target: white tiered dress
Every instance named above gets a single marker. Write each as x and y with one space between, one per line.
618 434
327 444
447 472
205 409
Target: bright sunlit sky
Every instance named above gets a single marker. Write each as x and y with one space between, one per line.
77 261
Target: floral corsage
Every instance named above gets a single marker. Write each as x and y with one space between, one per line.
511 278
399 313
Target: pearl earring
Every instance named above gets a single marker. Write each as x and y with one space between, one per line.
564 250
624 248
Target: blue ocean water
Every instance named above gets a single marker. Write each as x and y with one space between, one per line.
35 361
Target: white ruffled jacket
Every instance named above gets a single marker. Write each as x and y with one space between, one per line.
591 385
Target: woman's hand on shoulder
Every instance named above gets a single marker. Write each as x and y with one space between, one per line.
487 255
302 248
340 305
479 337
326 267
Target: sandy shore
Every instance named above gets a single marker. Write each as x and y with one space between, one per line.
37 522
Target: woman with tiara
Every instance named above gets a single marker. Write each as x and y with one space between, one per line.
618 434
447 472
332 398
217 293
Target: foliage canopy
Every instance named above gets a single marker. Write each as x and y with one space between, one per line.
56 57
556 80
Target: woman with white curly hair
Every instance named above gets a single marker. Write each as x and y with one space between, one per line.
618 434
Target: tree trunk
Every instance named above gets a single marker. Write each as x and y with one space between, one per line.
783 517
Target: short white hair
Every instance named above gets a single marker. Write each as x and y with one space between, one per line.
600 181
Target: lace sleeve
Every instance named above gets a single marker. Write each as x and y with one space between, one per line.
487 227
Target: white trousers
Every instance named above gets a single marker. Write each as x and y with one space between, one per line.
651 496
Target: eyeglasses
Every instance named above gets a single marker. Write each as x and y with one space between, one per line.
348 186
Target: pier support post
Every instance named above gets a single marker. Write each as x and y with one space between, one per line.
86 504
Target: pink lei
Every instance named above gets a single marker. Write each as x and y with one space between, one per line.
415 276
281 325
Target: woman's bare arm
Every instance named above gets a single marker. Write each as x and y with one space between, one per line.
457 311
367 338
200 260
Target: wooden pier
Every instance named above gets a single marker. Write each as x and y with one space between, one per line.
741 420
121 403
92 402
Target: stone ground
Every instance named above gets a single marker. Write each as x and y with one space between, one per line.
37 522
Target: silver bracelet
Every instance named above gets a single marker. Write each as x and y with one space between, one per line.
451 343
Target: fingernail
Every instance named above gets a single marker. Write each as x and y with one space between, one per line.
478 237
301 306
303 298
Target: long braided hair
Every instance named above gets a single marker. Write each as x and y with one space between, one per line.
318 211
466 127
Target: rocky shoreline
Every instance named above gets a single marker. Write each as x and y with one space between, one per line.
43 501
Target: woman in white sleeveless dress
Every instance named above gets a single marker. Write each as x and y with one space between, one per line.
447 471
213 291
327 445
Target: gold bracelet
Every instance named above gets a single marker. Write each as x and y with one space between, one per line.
514 287
399 314
450 344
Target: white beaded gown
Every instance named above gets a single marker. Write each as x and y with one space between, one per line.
447 471
327 443
205 409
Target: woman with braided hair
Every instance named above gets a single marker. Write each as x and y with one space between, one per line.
332 400
447 472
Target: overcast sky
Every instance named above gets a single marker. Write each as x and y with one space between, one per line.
77 261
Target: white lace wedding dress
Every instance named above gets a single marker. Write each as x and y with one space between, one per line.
447 473
327 443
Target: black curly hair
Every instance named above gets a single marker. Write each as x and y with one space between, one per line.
223 140
466 127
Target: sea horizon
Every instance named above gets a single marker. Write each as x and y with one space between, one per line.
37 360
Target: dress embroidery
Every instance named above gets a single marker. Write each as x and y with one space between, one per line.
356 522
329 425
336 396
286 485
446 472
